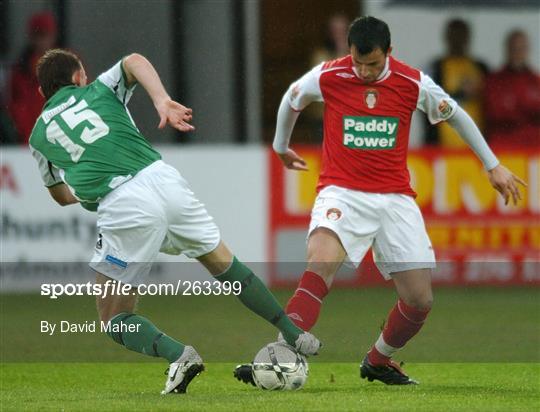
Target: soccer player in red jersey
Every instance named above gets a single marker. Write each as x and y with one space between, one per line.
364 194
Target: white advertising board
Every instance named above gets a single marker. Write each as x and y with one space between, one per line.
230 180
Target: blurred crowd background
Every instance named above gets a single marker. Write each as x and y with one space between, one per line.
231 60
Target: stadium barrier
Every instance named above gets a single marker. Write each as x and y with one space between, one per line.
263 213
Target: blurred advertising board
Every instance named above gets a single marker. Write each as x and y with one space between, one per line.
477 239
41 241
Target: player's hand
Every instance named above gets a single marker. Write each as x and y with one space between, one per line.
174 114
505 182
292 161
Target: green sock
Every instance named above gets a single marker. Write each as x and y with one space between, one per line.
256 297
138 334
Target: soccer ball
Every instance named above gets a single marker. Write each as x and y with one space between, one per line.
278 366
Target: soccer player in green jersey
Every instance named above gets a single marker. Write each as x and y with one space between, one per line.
89 151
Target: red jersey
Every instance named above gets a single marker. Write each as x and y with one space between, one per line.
366 126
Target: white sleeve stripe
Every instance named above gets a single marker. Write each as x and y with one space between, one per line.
417 82
329 69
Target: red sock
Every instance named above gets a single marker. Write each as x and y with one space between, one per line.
304 306
403 323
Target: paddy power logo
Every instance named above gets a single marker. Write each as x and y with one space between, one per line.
370 132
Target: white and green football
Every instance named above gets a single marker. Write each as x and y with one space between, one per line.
279 366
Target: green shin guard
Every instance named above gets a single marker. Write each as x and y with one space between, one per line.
256 297
138 334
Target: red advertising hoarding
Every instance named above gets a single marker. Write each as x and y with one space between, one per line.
477 239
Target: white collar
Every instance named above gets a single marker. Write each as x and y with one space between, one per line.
385 71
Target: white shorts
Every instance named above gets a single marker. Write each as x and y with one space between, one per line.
154 211
391 223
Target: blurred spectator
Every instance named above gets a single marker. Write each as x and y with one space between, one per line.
8 134
25 102
336 45
462 76
512 97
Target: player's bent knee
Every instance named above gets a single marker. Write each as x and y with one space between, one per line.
324 246
105 311
109 307
106 315
323 238
424 303
218 260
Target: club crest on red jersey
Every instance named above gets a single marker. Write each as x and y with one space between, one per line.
370 97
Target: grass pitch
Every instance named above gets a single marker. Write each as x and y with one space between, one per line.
480 350
331 386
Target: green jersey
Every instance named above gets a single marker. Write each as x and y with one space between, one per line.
85 137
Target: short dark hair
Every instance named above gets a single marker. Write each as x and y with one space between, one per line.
368 33
55 69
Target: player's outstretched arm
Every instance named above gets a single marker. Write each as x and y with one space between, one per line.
286 119
300 94
138 69
502 179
